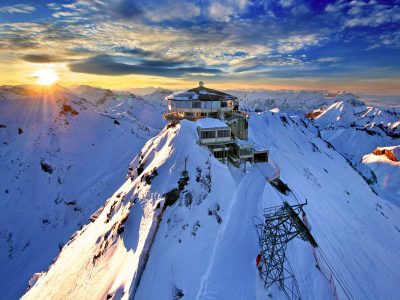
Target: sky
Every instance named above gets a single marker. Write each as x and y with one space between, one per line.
284 44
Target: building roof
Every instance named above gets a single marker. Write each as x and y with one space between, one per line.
211 123
243 143
201 93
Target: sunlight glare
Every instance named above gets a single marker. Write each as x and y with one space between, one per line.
46 76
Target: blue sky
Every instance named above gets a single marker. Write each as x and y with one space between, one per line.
284 43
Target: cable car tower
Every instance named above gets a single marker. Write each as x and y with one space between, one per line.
281 224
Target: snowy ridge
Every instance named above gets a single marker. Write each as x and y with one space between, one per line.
206 245
356 130
385 163
354 113
61 156
303 101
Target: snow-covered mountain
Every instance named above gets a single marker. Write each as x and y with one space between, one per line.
288 100
356 130
204 245
385 163
61 156
75 226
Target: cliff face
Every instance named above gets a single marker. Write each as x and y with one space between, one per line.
392 153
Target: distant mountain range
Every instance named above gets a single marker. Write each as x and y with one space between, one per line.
78 221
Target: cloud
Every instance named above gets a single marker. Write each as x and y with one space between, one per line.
226 38
40 58
136 11
224 11
329 59
54 6
297 42
372 15
134 51
107 65
286 3
17 8
124 9
170 10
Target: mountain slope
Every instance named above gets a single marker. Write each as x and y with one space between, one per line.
299 101
356 130
60 157
205 244
385 163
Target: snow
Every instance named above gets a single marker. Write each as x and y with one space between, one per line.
355 130
183 96
297 101
206 245
205 92
39 211
207 123
386 170
395 150
242 143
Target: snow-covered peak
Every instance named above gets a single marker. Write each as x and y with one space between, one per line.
203 245
287 100
385 163
341 113
354 113
353 101
60 158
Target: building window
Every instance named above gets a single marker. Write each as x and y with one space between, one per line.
196 104
219 154
183 104
208 134
246 151
224 133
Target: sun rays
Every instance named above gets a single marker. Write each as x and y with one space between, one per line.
45 76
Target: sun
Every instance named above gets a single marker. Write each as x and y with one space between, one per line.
45 76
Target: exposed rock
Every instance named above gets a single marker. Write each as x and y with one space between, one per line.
171 197
66 108
46 167
389 153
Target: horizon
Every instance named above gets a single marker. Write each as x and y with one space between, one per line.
231 44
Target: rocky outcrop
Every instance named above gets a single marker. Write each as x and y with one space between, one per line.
392 153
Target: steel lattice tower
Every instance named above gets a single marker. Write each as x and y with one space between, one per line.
281 224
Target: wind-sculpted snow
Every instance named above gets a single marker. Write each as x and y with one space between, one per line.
60 157
204 245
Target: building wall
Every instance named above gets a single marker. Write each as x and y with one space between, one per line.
196 106
240 128
216 139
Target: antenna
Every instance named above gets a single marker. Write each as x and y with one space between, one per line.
185 173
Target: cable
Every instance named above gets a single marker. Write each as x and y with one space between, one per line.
339 280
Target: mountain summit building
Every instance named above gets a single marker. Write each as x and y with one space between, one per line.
201 102
220 124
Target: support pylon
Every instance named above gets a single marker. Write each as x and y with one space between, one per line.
281 224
